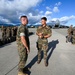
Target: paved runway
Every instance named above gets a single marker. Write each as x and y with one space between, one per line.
61 56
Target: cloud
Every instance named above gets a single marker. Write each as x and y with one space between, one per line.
64 20
47 13
48 8
55 9
11 10
18 5
34 19
4 20
58 4
41 12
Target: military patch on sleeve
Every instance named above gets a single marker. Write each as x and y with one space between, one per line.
22 34
21 31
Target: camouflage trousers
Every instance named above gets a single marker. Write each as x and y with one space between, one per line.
73 39
23 58
42 47
69 38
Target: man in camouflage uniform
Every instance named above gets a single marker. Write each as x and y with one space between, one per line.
43 33
70 33
3 34
8 34
12 34
15 31
12 31
73 36
23 44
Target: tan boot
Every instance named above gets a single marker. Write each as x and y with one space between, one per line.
46 63
38 61
21 73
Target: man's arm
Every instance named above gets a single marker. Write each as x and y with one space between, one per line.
23 40
39 34
47 36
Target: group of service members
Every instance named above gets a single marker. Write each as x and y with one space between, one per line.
71 35
8 34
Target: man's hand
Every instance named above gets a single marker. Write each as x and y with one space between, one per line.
40 35
28 51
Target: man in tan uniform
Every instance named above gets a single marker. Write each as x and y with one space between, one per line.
43 32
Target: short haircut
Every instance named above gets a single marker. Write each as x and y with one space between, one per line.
44 18
24 17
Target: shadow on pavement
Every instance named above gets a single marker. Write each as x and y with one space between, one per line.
33 61
51 47
5 45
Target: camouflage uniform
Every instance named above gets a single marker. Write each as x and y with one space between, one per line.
69 37
3 33
8 34
15 30
42 44
12 31
22 31
73 36
12 34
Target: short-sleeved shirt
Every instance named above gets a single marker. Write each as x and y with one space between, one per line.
70 31
22 31
45 31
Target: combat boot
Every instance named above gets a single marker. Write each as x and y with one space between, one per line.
21 73
46 64
38 61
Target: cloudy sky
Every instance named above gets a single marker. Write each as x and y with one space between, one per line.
62 10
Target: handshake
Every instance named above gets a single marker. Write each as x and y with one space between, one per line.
41 35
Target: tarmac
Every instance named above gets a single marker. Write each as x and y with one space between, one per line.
61 56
